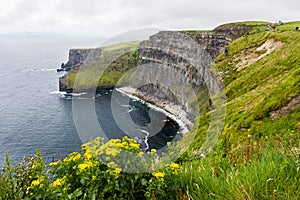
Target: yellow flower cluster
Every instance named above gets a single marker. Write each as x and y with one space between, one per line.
174 167
112 151
115 146
88 154
126 143
108 149
112 165
75 156
85 165
158 175
115 172
53 164
35 183
58 182
153 150
115 141
38 182
134 145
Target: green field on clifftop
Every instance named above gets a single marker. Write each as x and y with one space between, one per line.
114 61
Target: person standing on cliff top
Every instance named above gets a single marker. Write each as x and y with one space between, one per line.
273 26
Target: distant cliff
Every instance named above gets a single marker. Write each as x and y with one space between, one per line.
78 56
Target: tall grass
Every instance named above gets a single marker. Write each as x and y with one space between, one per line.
268 174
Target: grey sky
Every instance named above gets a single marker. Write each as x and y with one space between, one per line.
105 18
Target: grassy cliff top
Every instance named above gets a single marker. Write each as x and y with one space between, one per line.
114 61
120 46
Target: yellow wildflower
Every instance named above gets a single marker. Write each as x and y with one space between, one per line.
134 145
158 174
112 165
35 183
116 172
120 145
174 166
85 165
153 150
58 182
88 154
115 141
75 156
34 166
101 150
112 151
53 164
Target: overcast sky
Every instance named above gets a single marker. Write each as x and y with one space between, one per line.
110 17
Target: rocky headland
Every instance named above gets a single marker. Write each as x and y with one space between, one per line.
79 56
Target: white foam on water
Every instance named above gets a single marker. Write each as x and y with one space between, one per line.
146 139
48 70
183 127
69 95
77 94
58 92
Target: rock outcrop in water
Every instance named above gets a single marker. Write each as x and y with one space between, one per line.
78 56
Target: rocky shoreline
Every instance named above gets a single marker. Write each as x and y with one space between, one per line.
169 107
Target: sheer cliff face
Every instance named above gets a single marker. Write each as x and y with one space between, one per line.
176 66
78 56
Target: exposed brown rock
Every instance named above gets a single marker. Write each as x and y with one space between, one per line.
292 105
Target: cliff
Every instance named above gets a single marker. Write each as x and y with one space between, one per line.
78 56
177 72
178 67
184 60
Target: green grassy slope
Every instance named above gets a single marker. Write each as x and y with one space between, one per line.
256 157
265 86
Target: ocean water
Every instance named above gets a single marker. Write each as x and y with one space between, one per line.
34 115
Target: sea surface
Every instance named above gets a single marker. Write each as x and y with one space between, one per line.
33 114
